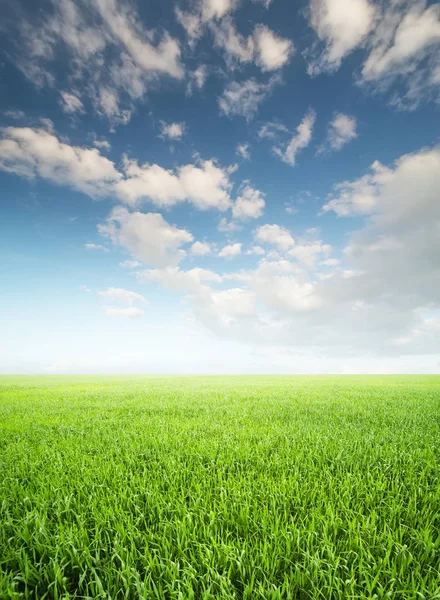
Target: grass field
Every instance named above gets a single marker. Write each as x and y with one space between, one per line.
220 487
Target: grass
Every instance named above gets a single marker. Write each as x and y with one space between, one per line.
219 487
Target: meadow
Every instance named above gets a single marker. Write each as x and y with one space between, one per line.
219 487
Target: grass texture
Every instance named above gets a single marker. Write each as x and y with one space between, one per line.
197 488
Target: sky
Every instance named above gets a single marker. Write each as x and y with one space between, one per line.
219 186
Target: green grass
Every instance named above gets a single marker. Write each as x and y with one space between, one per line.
219 487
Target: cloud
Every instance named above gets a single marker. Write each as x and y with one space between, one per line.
299 141
308 253
30 152
271 130
17 115
130 264
264 47
243 151
226 226
341 130
172 131
85 288
147 236
128 313
103 145
244 98
256 250
70 103
230 251
96 247
401 42
200 249
341 26
122 296
205 184
275 235
91 34
249 204
273 52
405 47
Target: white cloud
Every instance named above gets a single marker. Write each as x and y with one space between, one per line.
172 131
102 145
308 253
226 226
235 45
401 40
230 251
243 151
330 262
93 33
244 98
85 288
71 103
271 130
131 312
205 184
264 47
273 52
299 141
147 236
96 247
275 235
342 26
123 296
17 115
197 79
249 204
130 264
29 152
256 250
342 129
200 249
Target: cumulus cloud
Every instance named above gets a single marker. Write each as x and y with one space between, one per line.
299 141
230 251
147 236
264 47
273 52
249 204
243 151
93 33
31 152
130 264
200 249
274 235
244 98
70 103
341 26
123 296
341 131
172 131
96 247
102 145
271 130
130 312
401 41
205 184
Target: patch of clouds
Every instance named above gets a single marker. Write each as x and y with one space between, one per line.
342 129
243 151
123 296
96 247
230 251
275 235
94 33
200 249
299 141
148 237
243 98
172 131
249 204
71 103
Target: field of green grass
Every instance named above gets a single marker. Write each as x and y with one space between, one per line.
220 487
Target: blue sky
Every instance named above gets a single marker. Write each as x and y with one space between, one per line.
220 186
